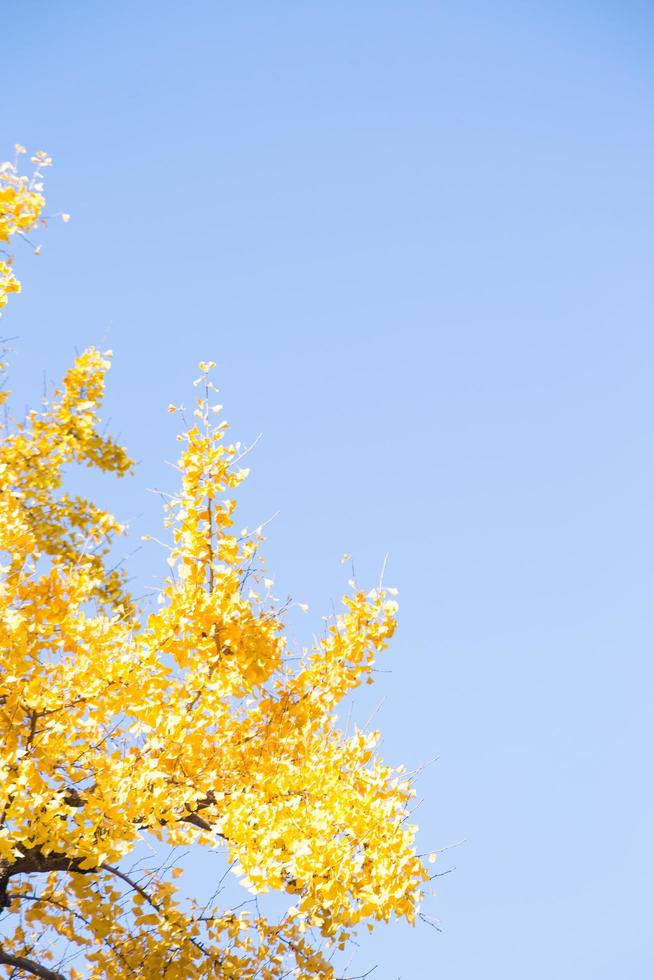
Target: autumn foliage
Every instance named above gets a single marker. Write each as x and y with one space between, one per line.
186 725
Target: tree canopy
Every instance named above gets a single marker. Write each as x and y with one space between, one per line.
189 725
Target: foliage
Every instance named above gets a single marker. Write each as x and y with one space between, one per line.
190 725
21 207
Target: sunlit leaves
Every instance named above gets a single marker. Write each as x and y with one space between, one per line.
21 205
191 724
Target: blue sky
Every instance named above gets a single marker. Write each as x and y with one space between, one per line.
417 239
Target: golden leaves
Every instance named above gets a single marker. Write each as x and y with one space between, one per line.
191 724
21 205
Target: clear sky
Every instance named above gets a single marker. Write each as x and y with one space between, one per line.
418 240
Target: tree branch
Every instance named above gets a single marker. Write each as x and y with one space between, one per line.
22 963
132 884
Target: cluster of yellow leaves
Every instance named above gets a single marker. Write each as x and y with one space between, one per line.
189 725
21 206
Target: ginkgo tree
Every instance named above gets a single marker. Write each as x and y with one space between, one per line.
187 726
